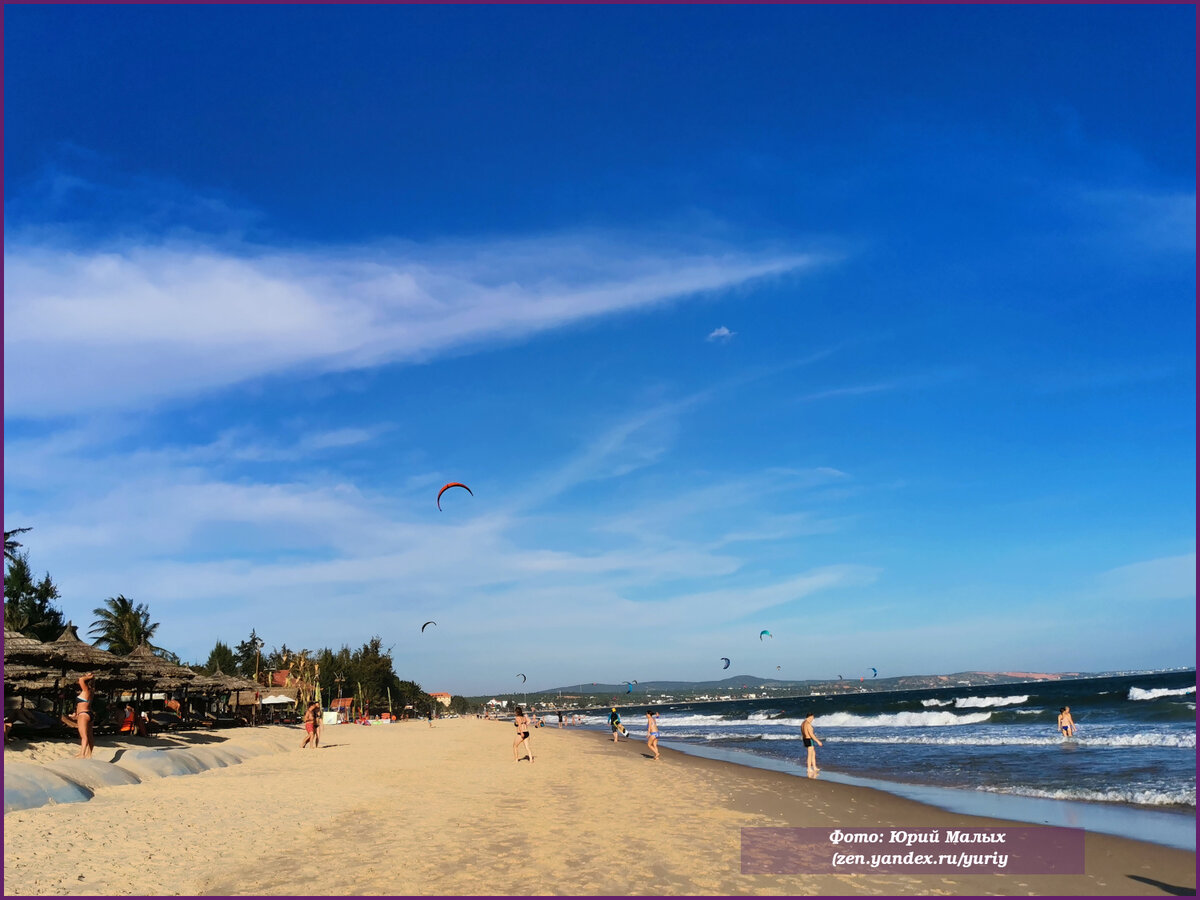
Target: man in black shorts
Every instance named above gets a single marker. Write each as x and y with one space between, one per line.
808 736
614 722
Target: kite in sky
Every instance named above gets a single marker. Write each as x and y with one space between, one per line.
426 625
450 485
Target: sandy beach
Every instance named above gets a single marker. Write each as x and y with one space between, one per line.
407 809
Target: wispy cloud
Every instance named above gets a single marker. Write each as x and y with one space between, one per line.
910 382
1167 578
1159 221
131 326
720 334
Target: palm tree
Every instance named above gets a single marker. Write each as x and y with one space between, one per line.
11 545
121 626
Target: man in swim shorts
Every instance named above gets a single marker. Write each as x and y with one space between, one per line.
809 736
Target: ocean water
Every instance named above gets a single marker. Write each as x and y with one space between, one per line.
1136 742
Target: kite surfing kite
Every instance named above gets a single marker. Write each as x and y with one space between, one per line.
450 485
725 659
764 633
522 677
778 668
630 683
426 625
874 671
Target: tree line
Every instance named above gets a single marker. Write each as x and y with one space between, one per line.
366 674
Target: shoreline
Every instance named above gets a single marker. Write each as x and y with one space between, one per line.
1175 829
456 815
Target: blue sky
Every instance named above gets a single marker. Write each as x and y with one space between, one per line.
871 326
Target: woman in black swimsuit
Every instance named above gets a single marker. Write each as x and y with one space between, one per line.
522 724
83 716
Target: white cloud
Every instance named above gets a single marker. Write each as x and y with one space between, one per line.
1159 221
132 326
720 334
1166 578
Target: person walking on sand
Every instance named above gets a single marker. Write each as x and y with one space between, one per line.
310 725
652 731
1066 725
522 737
83 716
614 722
809 736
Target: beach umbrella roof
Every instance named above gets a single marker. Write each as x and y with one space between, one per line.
19 646
71 650
202 682
142 661
22 677
235 682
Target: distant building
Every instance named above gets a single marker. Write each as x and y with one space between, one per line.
442 698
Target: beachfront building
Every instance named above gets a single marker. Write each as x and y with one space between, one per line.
442 697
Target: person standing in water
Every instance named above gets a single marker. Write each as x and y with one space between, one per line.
1066 725
809 736
652 731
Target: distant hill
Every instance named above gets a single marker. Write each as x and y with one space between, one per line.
740 686
736 685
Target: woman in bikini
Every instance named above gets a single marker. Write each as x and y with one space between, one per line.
652 731
83 716
522 724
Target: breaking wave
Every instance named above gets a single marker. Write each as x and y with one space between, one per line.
1136 693
983 702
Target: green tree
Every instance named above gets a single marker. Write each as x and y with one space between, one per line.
223 657
121 625
28 605
462 705
11 544
248 653
371 669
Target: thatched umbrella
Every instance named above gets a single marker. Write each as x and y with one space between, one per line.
142 662
205 684
21 678
73 653
153 672
238 684
22 648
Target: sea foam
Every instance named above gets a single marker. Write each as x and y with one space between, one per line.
983 702
1136 693
1141 797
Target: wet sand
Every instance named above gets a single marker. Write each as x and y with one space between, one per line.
406 809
